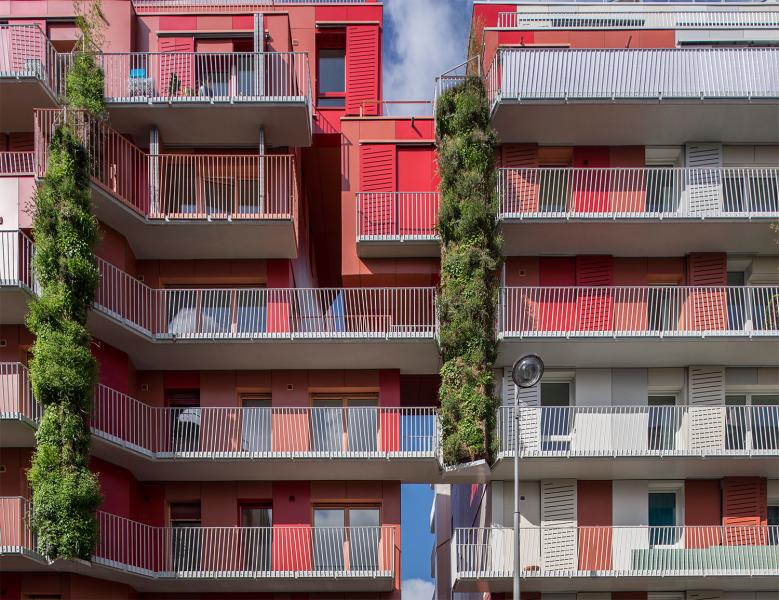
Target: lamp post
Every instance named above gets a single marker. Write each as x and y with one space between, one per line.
525 373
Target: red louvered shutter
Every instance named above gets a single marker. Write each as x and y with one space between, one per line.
519 188
595 307
709 307
378 174
362 70
745 510
182 65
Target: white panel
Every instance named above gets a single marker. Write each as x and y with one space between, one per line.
497 498
529 504
529 398
593 387
591 427
705 186
738 156
706 396
558 522
630 507
628 430
9 203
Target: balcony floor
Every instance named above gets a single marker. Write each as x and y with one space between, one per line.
196 239
648 123
639 237
17 96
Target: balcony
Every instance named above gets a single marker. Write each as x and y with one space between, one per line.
638 211
635 96
29 75
618 558
245 328
185 206
213 99
14 164
204 559
397 224
656 326
628 442
212 443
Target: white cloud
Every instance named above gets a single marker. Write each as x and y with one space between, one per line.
416 589
428 38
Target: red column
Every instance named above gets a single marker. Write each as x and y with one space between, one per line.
594 513
279 299
389 401
292 539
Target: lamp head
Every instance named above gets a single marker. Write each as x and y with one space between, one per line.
527 371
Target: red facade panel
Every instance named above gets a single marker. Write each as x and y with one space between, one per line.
591 189
594 514
520 188
596 306
362 70
709 307
745 504
702 511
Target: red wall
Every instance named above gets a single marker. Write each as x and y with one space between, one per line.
702 507
594 514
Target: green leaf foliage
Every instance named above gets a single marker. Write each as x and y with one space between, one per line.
63 371
470 260
84 84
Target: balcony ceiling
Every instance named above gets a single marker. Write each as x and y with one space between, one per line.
16 98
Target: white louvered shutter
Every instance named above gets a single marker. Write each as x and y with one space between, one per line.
529 421
558 524
706 391
704 185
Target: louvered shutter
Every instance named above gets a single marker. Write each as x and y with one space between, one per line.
709 308
745 510
558 524
174 66
362 70
594 306
378 178
519 189
529 403
706 391
704 183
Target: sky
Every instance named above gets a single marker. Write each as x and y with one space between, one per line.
422 39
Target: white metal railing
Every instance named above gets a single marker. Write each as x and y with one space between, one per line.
634 431
205 6
563 74
16 537
629 18
622 311
641 551
16 256
397 216
178 186
16 163
455 76
644 193
26 53
211 432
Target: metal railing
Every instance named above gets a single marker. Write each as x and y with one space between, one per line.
620 311
638 193
640 551
16 537
455 76
617 18
16 255
17 163
397 216
222 6
635 431
564 74
16 399
178 186
26 53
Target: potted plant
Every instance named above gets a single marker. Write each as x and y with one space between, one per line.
173 85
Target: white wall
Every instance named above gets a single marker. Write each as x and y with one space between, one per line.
630 506
9 203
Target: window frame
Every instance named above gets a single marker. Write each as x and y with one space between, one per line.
666 487
329 46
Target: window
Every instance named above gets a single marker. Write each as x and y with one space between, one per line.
664 422
663 307
184 415
345 424
258 539
752 421
555 416
737 308
664 517
773 523
353 549
662 189
553 190
332 78
186 536
257 425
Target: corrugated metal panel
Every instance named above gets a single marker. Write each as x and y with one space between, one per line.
595 307
709 306
558 521
378 168
362 69
706 395
521 186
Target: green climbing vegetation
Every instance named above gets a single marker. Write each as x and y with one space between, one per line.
63 371
470 259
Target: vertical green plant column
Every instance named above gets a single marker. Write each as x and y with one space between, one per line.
63 372
470 259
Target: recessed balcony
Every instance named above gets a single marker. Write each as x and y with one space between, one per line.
204 559
215 99
185 206
618 558
638 211
626 442
656 326
398 224
17 283
29 75
635 96
211 443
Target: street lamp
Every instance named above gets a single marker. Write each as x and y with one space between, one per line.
525 373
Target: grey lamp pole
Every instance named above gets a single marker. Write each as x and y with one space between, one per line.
526 373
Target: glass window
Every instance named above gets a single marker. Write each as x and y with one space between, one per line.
362 425
257 425
555 416
553 192
364 535
662 189
773 524
329 539
736 422
663 307
332 77
355 548
184 415
257 538
663 423
186 536
662 518
765 423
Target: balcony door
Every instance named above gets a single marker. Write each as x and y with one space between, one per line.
752 422
665 516
345 424
663 307
186 536
256 423
664 422
556 416
257 542
347 538
184 417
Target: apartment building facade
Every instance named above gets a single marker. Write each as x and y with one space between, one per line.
636 139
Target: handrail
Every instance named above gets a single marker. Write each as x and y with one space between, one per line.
213 432
625 311
178 186
612 74
640 551
563 17
16 256
26 52
222 6
641 192
635 431
397 216
13 163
